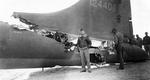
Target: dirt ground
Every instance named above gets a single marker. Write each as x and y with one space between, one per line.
132 71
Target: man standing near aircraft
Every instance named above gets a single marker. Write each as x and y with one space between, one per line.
118 39
83 44
146 43
139 41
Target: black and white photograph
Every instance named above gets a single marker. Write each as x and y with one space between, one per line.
74 40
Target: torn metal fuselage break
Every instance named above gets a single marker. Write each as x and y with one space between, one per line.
55 35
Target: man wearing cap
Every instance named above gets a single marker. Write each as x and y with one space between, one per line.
83 44
118 39
146 43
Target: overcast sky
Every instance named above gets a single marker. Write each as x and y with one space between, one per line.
141 16
140 10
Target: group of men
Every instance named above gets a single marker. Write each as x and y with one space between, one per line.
145 41
120 40
142 42
84 43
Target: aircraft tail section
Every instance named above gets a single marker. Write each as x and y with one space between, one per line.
108 14
97 17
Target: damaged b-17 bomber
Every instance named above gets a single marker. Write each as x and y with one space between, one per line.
27 49
63 39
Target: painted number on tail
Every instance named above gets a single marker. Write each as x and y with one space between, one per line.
106 4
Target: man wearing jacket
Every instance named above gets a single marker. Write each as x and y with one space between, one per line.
118 39
146 43
83 45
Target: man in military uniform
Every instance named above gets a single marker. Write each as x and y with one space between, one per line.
139 41
146 43
83 44
118 39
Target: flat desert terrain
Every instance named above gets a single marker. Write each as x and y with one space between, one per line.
132 71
